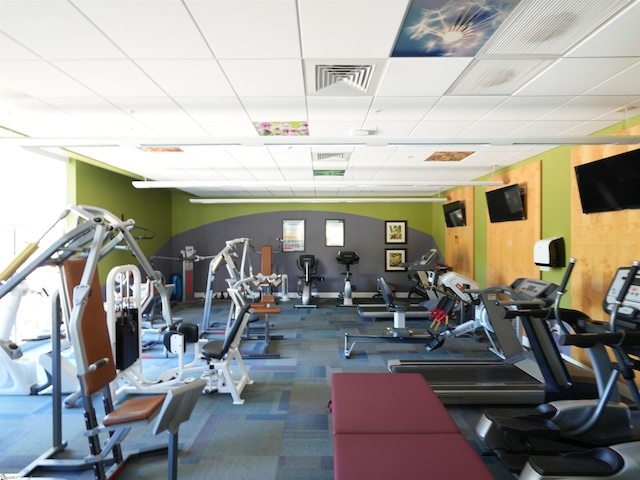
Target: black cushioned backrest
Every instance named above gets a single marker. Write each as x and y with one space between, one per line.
233 330
387 294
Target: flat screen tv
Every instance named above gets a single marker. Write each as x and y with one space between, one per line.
610 184
505 204
454 214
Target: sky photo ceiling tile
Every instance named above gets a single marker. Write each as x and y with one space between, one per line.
458 28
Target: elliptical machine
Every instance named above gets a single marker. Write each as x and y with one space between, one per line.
347 258
309 265
528 440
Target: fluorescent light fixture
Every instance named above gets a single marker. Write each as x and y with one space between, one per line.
318 200
438 145
304 141
309 184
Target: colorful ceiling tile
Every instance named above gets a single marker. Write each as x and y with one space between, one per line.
457 28
267 129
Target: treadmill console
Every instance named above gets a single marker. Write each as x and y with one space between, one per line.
630 308
530 288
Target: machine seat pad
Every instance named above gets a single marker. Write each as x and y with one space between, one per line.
212 349
135 409
263 310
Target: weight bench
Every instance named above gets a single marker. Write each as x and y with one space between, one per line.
394 426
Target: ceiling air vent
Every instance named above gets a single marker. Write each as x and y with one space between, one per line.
549 27
332 157
343 78
497 76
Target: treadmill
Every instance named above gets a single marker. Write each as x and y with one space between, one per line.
518 375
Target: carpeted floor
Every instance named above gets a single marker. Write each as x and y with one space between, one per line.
282 431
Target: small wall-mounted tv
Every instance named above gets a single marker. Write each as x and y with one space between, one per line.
505 204
454 214
610 184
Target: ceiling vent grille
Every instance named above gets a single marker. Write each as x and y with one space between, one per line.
343 78
550 27
332 157
497 77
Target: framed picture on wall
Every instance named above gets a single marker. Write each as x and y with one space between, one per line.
334 233
293 235
394 258
395 231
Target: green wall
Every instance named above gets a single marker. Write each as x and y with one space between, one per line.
151 209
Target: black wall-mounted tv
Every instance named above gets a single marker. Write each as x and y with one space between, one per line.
610 184
505 204
454 214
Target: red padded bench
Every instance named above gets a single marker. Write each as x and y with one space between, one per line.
388 425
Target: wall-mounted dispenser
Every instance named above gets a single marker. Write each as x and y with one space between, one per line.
549 252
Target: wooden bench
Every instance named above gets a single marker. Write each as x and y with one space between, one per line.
390 425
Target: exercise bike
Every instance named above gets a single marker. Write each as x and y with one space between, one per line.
309 265
347 258
528 440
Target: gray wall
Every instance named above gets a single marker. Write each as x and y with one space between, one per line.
362 234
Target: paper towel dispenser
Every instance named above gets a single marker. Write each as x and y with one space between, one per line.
549 252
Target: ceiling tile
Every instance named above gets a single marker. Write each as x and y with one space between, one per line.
627 82
26 76
234 29
425 77
280 78
619 37
148 29
525 107
111 78
574 76
55 30
213 109
463 108
585 108
350 29
188 78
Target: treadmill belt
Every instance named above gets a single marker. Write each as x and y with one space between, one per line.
468 376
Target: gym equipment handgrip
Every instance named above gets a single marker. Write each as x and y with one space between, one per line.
628 281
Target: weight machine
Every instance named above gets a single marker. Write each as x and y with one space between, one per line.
97 232
228 256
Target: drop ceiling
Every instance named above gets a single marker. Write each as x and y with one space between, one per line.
177 90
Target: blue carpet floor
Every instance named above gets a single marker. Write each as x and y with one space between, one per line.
282 431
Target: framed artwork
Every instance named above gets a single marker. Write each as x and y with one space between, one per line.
395 231
393 258
293 235
334 233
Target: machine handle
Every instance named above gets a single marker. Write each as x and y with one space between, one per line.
628 281
567 275
527 312
98 364
614 339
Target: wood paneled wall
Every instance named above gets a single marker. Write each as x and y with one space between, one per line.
510 244
601 242
459 241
